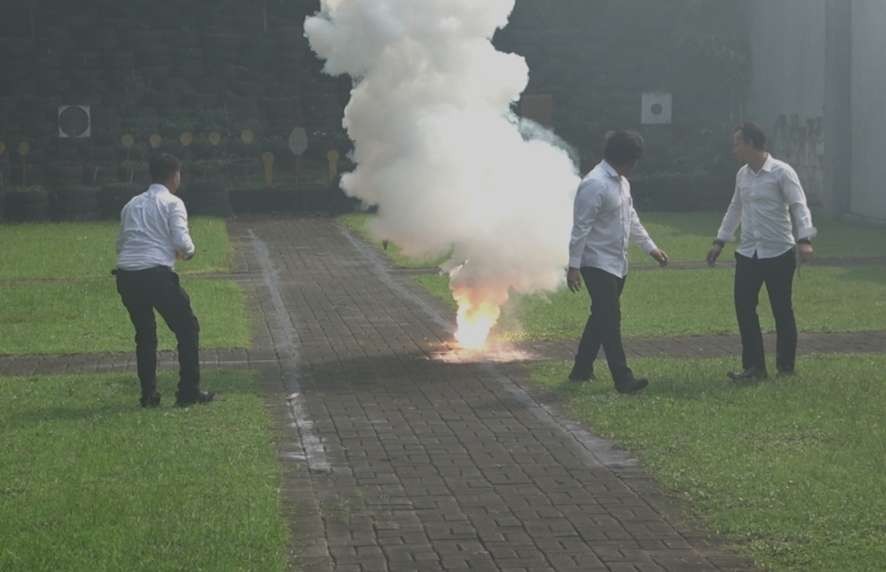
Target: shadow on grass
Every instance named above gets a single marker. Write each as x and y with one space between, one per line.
691 383
119 395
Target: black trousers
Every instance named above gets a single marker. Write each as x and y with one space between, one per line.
603 328
159 289
778 275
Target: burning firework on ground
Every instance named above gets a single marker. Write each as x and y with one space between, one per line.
478 311
440 151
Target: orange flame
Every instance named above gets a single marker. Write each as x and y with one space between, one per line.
475 321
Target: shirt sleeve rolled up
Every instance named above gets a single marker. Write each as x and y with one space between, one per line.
639 234
587 203
732 219
178 229
795 197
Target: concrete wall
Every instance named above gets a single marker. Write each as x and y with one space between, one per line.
787 92
592 60
217 66
224 65
818 85
787 49
868 194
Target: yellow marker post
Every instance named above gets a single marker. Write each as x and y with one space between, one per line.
332 157
267 159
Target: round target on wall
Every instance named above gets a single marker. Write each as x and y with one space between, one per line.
298 141
74 121
657 108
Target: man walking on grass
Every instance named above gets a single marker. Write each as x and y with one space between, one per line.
604 223
153 234
770 206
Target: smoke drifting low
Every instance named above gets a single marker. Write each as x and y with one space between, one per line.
438 148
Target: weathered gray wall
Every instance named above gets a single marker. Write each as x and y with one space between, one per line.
162 67
593 60
220 65
788 48
868 195
597 57
818 84
787 93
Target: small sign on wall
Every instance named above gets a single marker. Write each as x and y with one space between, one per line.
657 108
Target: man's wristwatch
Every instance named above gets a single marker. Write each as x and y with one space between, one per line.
804 241
718 242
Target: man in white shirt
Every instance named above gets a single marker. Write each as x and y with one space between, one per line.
604 224
770 206
153 234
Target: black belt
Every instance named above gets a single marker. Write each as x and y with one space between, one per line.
118 271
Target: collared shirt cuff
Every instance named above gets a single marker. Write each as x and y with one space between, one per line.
807 234
649 247
575 262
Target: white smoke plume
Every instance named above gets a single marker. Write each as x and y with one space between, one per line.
439 149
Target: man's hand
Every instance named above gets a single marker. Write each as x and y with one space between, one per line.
660 256
807 253
714 254
573 279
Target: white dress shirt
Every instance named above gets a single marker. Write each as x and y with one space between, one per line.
153 228
770 206
605 222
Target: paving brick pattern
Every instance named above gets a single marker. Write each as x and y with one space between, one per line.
399 461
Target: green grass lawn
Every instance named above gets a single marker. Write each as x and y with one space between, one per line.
688 236
79 311
687 302
87 316
792 471
81 249
90 481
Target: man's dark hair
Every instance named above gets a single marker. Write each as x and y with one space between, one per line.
752 134
164 166
623 147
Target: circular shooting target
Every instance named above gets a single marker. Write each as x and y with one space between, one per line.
74 122
298 141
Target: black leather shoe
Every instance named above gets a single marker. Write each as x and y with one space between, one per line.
579 377
198 398
150 401
748 375
785 373
631 385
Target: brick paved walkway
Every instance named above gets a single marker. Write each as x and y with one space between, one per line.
397 461
396 456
